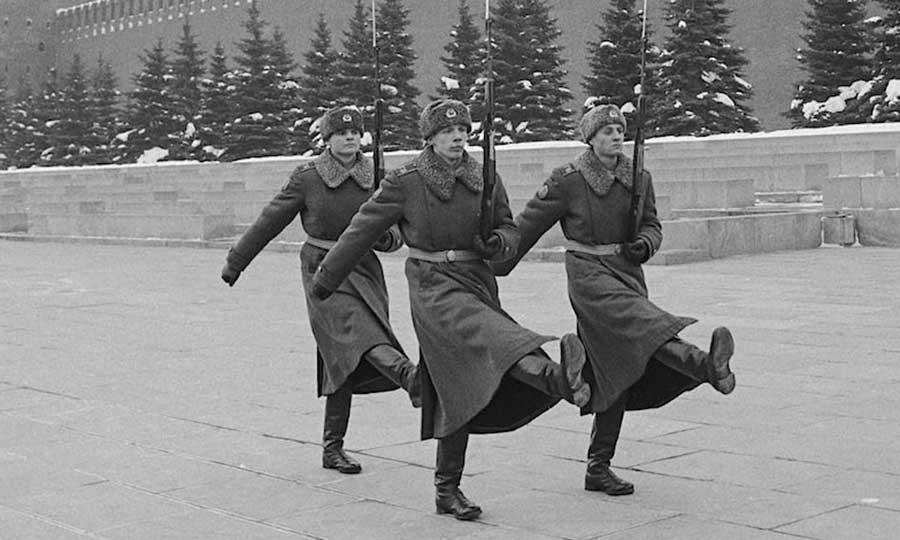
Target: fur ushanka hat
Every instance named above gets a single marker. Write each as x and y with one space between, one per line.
339 119
443 113
596 118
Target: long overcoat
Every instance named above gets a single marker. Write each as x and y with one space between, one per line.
467 342
618 324
326 195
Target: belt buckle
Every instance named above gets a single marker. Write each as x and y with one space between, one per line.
617 250
450 255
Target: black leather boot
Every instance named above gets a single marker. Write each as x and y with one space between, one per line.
451 458
563 380
604 436
337 416
395 365
690 360
721 348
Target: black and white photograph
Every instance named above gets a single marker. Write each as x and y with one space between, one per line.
449 269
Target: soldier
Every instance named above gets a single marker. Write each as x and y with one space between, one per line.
636 360
481 371
356 349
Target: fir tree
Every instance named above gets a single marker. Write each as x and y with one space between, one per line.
105 113
69 134
530 89
284 65
152 118
354 76
702 83
464 62
258 128
317 88
5 128
217 104
401 114
43 116
21 127
615 62
877 100
187 74
836 55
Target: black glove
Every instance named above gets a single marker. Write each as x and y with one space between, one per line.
318 290
230 275
321 291
385 243
490 248
638 251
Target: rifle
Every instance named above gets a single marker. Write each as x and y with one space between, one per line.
377 146
636 210
489 167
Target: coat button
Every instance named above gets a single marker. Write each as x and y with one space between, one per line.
451 255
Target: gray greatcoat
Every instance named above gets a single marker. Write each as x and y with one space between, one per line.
326 195
618 324
467 342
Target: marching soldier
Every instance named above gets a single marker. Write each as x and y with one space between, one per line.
356 349
481 371
636 359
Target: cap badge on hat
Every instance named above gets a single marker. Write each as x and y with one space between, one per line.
346 118
613 113
451 113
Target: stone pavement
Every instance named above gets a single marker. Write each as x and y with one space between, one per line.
141 398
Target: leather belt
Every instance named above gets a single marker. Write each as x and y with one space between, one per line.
602 249
451 255
319 243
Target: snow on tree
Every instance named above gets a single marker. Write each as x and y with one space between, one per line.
317 85
151 115
614 61
5 131
837 55
39 116
530 92
283 63
258 127
354 74
21 127
464 63
701 80
104 110
187 73
401 112
68 136
216 105
876 100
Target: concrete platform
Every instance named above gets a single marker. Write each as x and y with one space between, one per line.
141 398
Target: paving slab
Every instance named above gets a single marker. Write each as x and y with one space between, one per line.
141 398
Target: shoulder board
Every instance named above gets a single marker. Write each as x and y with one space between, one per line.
564 171
405 169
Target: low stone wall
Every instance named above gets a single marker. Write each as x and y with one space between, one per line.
874 202
692 176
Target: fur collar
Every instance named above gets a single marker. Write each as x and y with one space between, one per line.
440 179
599 177
333 172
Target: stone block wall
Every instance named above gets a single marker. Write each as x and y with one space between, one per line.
873 200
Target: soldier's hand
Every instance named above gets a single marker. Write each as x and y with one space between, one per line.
638 251
387 243
230 275
490 248
320 291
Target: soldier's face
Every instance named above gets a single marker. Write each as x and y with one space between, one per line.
608 140
450 142
345 143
